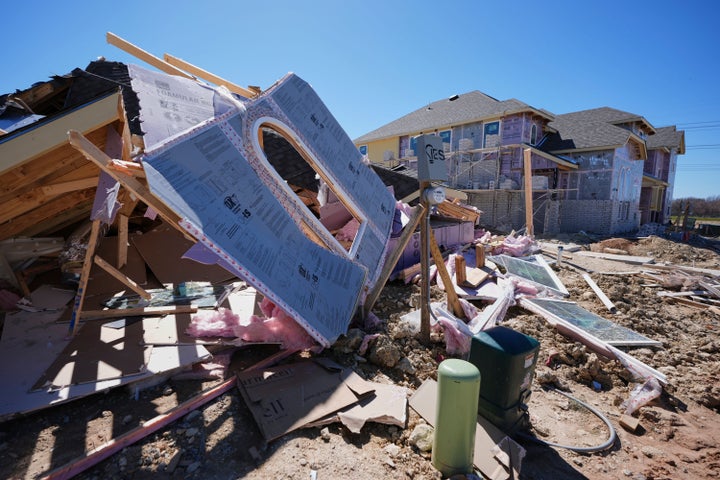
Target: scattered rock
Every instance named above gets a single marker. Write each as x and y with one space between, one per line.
422 437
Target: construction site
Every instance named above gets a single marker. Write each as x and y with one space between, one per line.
200 279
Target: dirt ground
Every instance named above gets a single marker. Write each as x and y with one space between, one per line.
678 436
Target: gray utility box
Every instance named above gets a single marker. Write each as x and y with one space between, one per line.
506 360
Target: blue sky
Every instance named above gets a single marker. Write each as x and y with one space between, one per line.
374 61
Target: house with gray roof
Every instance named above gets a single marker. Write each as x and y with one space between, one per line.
601 170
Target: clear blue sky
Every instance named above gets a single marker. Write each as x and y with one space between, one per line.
372 61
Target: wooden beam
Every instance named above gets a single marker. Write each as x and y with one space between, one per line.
127 281
114 445
142 192
205 75
84 276
453 300
149 58
527 166
138 312
392 259
460 269
71 186
122 222
37 141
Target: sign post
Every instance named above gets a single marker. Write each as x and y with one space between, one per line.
431 166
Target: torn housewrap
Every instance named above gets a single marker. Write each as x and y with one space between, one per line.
216 177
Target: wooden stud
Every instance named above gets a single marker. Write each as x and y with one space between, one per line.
84 276
94 154
138 312
452 297
71 186
149 58
117 274
200 73
479 255
527 163
460 266
122 222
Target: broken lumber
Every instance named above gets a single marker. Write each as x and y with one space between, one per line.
117 274
95 456
601 295
453 300
84 276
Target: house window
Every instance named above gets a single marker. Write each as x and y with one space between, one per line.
533 134
491 134
363 150
446 136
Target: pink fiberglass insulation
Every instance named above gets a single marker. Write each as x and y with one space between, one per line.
349 231
277 326
213 323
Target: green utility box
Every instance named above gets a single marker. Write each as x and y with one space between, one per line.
506 360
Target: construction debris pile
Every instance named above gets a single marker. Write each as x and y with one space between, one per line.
226 250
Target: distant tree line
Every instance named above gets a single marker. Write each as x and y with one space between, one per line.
699 207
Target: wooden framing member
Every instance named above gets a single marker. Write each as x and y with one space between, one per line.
127 281
527 166
84 276
149 58
453 300
204 74
97 156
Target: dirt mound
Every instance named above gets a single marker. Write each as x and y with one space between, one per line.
678 437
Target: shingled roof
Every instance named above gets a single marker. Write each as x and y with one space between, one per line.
456 110
588 129
667 137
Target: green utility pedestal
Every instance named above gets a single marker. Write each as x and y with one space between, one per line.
506 360
456 417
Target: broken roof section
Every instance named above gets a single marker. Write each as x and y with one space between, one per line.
205 160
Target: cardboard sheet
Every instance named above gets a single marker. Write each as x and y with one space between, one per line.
288 397
496 455
387 405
